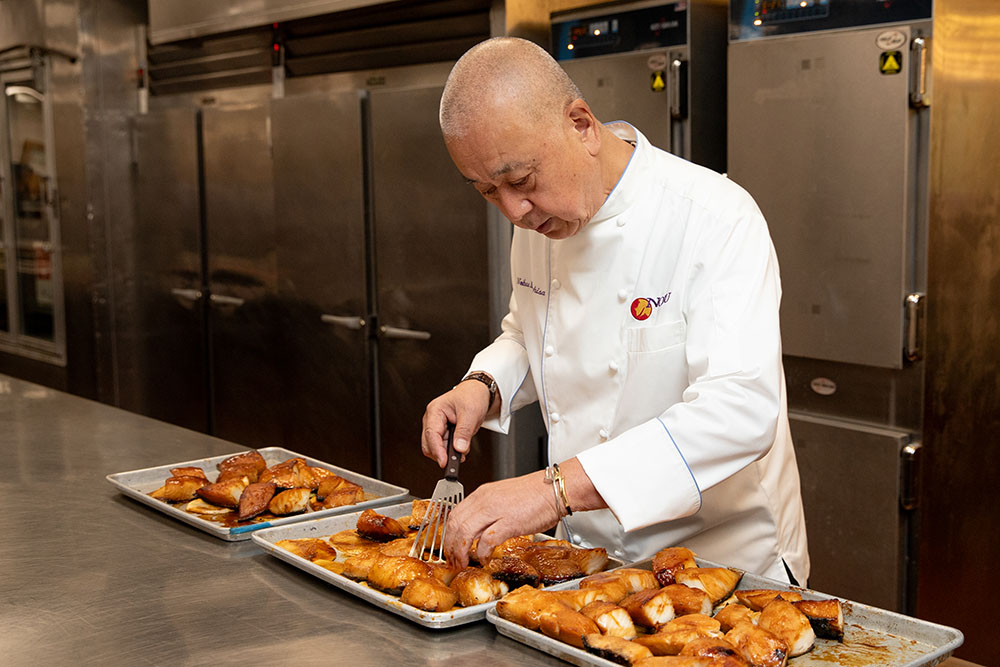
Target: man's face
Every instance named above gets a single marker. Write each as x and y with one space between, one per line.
541 177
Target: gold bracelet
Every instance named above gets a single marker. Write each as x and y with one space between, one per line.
555 477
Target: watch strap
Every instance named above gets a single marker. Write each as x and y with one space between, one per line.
485 379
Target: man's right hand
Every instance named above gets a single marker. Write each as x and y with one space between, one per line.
466 407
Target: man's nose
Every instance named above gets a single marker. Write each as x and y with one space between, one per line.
513 205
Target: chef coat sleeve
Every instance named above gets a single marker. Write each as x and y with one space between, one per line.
507 361
728 415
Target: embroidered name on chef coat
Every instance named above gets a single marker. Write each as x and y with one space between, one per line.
530 285
643 307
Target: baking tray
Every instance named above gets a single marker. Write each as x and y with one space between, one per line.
269 538
138 484
872 636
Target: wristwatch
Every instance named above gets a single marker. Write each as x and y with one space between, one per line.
490 383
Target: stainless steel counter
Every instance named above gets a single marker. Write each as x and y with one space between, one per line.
88 576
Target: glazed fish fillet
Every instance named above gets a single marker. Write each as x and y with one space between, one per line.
189 471
290 501
513 571
668 561
650 608
255 499
733 614
678 633
429 594
310 548
721 651
475 586
224 494
177 489
375 526
610 618
718 582
757 598
391 574
251 458
783 619
688 600
615 649
759 647
825 616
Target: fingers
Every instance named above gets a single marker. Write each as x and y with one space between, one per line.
465 406
431 440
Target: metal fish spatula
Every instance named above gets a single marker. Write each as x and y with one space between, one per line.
429 542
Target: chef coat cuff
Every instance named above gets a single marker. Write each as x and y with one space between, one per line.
507 362
643 477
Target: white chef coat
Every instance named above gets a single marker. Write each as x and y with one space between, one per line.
651 339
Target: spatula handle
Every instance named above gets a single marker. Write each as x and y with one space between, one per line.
454 458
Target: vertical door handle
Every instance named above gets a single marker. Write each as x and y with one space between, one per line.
918 73
914 326
678 89
411 334
909 491
352 322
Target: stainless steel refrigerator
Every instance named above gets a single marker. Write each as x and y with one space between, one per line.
327 262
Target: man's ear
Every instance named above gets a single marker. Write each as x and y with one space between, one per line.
584 123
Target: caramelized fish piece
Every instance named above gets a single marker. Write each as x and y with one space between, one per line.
757 598
312 476
443 572
781 618
255 499
400 547
718 582
513 546
189 471
825 616
513 571
359 566
429 594
615 649
526 605
474 586
610 618
391 574
310 548
252 458
649 608
345 495
348 543
759 647
290 501
678 633
285 475
688 600
417 513
625 581
590 561
554 564
224 494
248 471
176 489
199 506
668 561
717 648
378 527
733 614
580 598
333 484
568 626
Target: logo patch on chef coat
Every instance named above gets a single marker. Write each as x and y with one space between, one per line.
643 307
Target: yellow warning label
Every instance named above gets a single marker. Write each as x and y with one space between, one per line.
657 81
890 62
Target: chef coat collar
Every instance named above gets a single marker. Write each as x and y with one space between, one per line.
625 192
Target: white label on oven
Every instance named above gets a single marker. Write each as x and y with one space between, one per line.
823 386
657 61
890 39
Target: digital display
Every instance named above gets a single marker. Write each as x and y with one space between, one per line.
755 19
773 11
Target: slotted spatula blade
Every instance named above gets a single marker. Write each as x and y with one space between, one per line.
448 492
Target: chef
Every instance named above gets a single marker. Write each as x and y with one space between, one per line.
643 320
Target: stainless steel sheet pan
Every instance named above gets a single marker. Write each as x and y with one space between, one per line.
269 538
872 636
138 484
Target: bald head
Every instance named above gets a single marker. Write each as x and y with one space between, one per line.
504 75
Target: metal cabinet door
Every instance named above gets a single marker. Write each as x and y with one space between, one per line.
240 232
169 317
851 489
617 87
320 217
819 137
431 276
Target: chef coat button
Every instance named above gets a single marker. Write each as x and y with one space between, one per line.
613 366
577 539
556 284
619 554
621 222
549 350
554 417
622 294
604 434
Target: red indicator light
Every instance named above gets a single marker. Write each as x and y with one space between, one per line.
277 48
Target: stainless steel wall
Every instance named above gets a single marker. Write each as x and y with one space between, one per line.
960 541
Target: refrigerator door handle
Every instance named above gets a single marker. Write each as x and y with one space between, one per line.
352 322
186 294
918 74
226 300
411 334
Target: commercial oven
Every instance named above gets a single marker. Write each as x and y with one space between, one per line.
828 126
657 65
